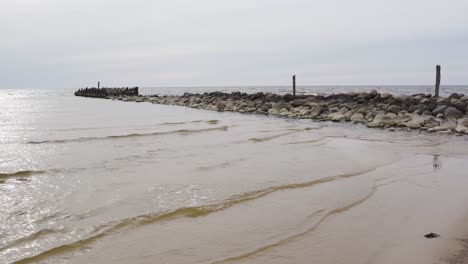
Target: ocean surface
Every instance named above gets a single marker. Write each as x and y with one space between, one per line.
393 89
99 181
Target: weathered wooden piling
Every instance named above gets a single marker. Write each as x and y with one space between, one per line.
437 85
294 85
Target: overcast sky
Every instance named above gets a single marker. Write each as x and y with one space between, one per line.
66 44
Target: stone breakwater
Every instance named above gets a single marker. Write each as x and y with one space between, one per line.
418 111
106 92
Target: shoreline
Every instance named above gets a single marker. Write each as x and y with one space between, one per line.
373 109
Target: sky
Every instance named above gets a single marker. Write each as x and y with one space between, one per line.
154 43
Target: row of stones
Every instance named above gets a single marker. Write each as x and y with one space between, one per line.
419 111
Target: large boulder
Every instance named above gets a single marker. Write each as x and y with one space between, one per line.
452 112
439 109
430 121
315 110
416 121
462 125
446 125
280 105
358 118
381 120
394 109
220 106
459 104
298 102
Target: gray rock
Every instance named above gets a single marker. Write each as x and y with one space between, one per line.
459 105
336 117
358 118
403 98
386 96
416 121
220 106
315 110
430 121
452 112
445 125
443 101
280 105
462 125
298 102
394 109
381 120
439 109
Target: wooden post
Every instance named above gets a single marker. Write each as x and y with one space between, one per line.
437 85
98 84
294 85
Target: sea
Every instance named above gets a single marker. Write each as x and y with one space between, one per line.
86 180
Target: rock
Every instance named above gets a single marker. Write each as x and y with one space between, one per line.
462 125
454 96
431 235
280 105
358 118
349 114
446 125
439 109
298 102
284 112
220 106
381 120
287 97
394 109
386 96
336 117
443 101
315 110
430 122
416 121
403 98
452 112
459 105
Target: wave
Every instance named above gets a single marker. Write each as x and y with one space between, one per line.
212 122
193 212
291 131
303 232
135 135
17 174
305 142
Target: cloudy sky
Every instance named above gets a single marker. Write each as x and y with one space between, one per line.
67 44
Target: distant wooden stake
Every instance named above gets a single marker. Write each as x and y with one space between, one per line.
98 85
294 85
437 86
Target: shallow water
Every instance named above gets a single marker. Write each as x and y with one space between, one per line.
98 181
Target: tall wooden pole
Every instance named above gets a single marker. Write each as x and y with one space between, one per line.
294 85
98 85
437 85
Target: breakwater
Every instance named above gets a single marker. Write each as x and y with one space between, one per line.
106 92
418 111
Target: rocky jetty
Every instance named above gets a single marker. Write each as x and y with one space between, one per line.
376 110
106 92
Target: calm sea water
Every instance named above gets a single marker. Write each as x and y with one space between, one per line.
393 89
98 181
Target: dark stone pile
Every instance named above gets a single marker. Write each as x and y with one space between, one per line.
418 111
106 92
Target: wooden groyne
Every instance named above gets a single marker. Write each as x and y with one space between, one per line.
106 92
